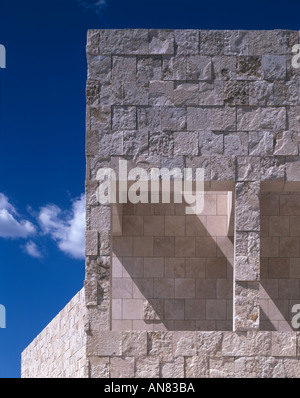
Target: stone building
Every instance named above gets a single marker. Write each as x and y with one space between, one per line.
170 294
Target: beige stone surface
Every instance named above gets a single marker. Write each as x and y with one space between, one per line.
164 291
59 351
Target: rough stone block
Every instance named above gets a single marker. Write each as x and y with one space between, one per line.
247 244
273 168
262 93
249 68
110 41
292 367
161 92
197 367
109 344
211 93
236 92
135 142
123 69
161 41
112 93
99 67
247 206
284 344
173 118
173 369
236 144
234 344
149 117
92 143
261 143
221 367
259 343
134 344
92 92
223 168
171 162
246 268
248 168
203 162
147 367
293 118
185 94
160 345
149 68
91 243
100 220
253 119
174 68
99 118
211 42
211 143
270 367
198 67
284 93
209 343
186 143
121 368
274 42
236 42
293 168
134 93
246 302
99 367
246 367
91 290
184 344
224 67
274 67
286 143
93 40
161 143
124 41
218 119
187 41
124 118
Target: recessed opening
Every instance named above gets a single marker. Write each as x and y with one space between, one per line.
170 270
280 255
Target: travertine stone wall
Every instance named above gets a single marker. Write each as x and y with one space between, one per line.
196 354
227 101
60 349
172 271
280 259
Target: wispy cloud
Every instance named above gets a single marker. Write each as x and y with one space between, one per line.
93 5
67 229
32 250
11 224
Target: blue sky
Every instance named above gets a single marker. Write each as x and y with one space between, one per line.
42 134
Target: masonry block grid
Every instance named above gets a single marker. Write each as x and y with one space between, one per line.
174 295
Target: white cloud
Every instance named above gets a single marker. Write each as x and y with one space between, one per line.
11 226
66 228
32 249
93 5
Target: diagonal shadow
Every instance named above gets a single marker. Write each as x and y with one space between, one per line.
210 308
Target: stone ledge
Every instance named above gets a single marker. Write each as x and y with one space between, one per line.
162 354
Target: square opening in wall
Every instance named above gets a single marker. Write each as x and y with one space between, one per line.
172 270
280 257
